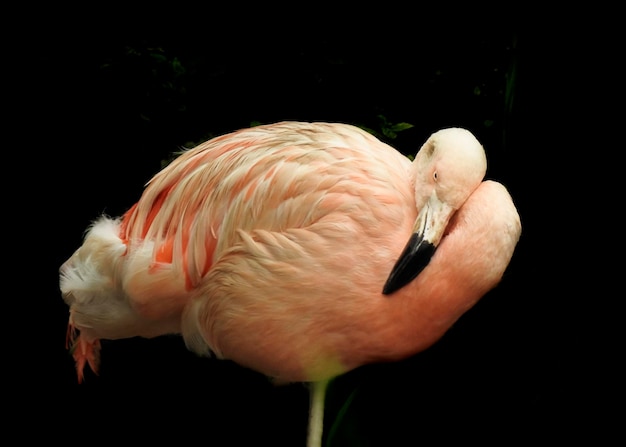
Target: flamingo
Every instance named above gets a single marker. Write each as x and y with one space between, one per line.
299 250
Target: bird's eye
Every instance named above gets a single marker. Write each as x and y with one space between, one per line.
435 176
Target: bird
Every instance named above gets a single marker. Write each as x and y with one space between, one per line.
300 250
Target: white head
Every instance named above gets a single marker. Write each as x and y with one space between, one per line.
447 169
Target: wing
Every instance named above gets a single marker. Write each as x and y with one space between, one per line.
275 178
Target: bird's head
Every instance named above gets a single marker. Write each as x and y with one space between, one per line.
447 169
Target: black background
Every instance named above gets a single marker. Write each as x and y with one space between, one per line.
103 101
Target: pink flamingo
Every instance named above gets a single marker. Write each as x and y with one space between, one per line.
284 248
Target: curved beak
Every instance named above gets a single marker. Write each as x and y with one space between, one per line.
428 230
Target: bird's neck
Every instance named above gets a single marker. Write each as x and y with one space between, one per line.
429 306
470 261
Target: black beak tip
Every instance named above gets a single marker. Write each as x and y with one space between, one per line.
412 261
389 288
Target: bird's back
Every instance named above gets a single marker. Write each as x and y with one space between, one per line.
276 178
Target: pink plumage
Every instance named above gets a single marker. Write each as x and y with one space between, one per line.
271 246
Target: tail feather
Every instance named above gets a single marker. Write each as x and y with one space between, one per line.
106 301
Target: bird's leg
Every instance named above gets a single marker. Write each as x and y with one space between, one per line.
316 413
